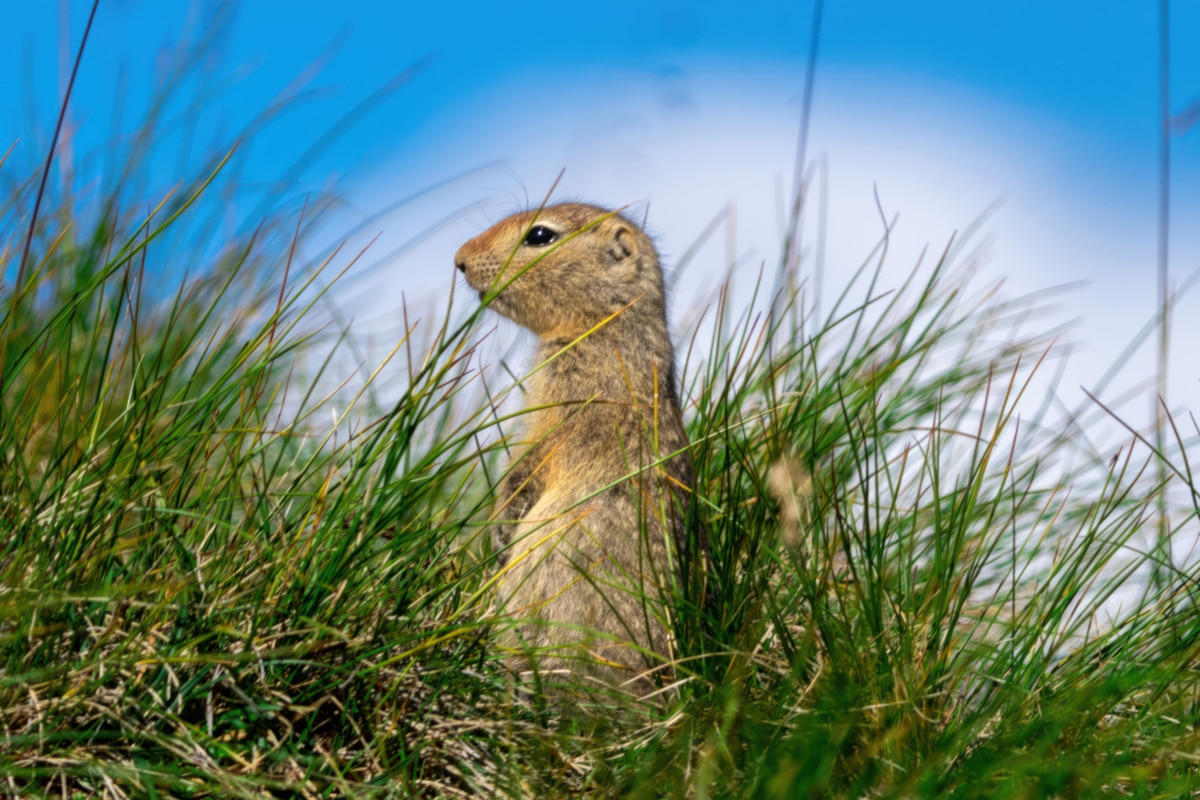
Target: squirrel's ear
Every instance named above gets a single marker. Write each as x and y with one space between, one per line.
620 246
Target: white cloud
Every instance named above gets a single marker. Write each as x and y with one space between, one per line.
690 143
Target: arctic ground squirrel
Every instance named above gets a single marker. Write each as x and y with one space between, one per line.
590 515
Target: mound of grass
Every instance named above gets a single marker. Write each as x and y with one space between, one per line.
206 592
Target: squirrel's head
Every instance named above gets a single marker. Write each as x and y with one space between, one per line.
563 269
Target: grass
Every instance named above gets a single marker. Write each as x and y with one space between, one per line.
209 590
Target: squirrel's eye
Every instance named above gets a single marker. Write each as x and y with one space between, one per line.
540 236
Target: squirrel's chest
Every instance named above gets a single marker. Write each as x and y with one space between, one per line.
570 522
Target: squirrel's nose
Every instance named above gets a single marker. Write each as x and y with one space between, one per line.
461 263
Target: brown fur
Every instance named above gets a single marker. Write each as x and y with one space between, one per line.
594 498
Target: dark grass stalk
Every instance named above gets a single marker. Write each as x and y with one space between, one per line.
791 251
62 115
1164 245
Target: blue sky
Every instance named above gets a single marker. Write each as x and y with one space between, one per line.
940 107
1088 65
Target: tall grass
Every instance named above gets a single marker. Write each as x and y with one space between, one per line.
210 590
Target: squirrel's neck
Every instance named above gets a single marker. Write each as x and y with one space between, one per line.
605 401
629 355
